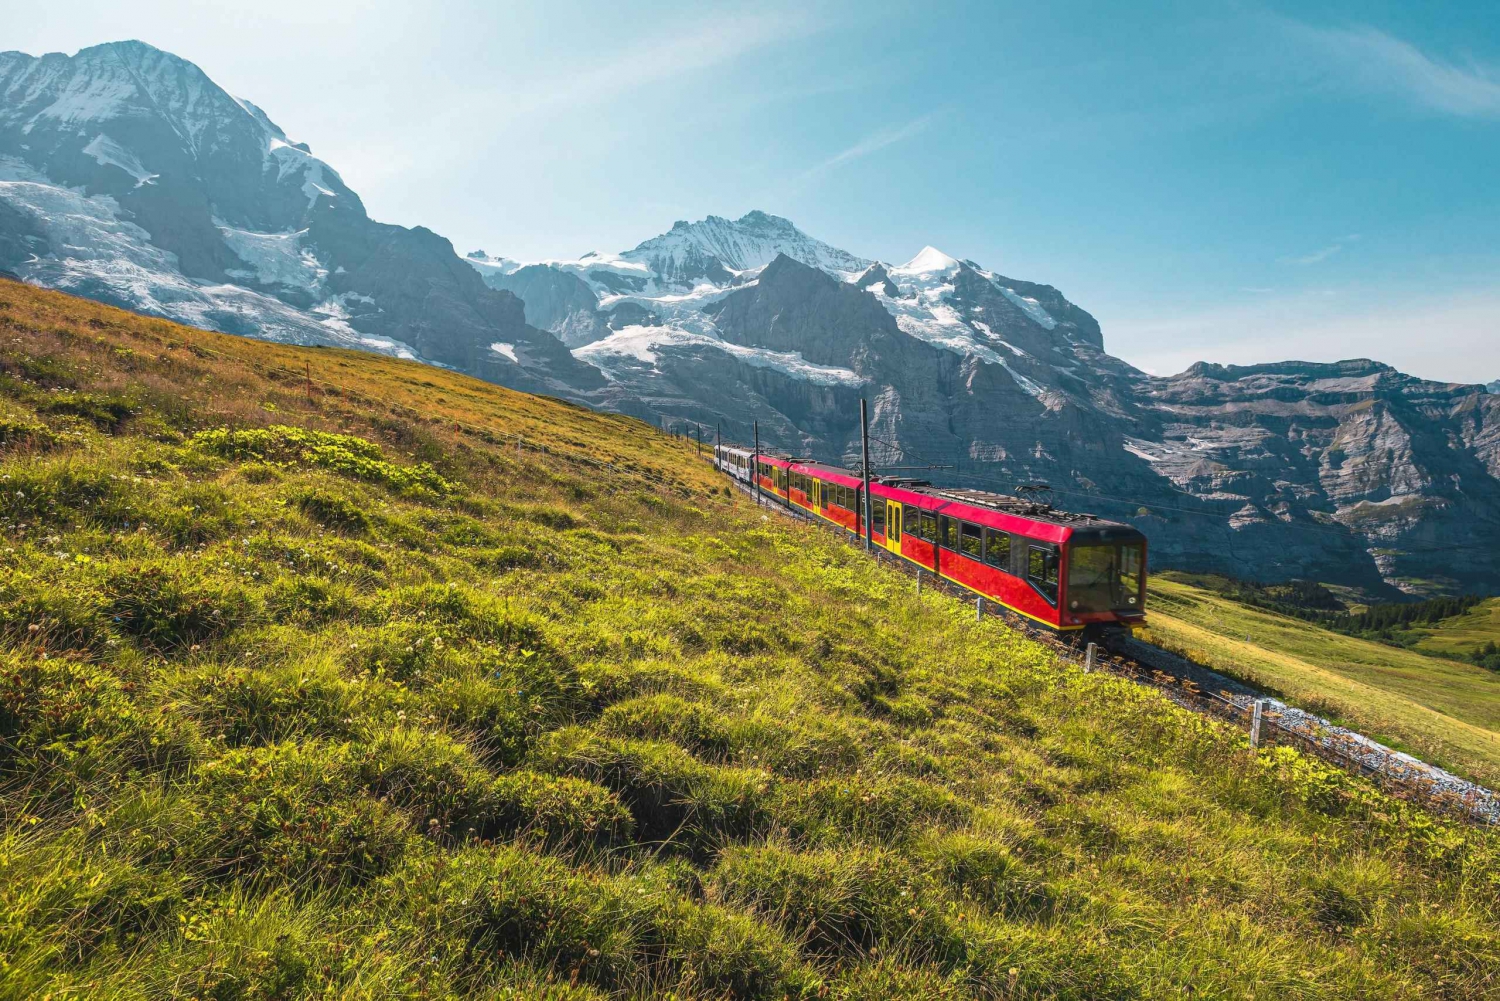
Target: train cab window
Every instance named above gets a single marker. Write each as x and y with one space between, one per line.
997 549
877 518
1106 578
928 529
970 540
1041 570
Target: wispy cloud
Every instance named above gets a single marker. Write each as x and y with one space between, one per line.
1377 61
597 82
872 143
1322 254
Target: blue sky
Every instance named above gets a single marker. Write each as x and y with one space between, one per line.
1237 182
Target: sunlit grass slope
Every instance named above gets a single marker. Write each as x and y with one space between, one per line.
1465 634
1445 711
303 697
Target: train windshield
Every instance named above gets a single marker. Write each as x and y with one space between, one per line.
1108 578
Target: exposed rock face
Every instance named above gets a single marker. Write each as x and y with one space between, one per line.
127 175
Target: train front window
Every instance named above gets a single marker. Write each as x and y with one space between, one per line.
1106 578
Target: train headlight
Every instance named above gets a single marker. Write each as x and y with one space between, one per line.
1073 605
1132 599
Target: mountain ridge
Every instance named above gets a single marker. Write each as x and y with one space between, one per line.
126 175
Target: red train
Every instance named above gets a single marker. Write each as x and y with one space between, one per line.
1066 571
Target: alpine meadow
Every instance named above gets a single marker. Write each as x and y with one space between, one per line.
305 695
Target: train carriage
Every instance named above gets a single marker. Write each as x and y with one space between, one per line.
1068 571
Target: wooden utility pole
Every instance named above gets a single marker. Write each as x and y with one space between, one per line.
755 465
864 440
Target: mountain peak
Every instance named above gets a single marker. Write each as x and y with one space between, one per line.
929 260
714 248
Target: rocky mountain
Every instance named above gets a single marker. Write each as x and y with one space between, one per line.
127 175
1494 387
1351 473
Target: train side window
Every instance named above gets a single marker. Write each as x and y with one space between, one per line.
877 518
1041 570
928 526
970 540
997 549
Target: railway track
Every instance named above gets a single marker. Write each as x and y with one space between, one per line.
1203 690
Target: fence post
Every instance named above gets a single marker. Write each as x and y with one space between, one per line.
978 609
1255 723
919 580
1088 658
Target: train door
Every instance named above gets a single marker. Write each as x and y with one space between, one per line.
893 526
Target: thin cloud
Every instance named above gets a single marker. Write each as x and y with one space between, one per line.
1318 256
695 50
872 143
1383 63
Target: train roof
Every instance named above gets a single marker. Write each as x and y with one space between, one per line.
1082 527
1085 527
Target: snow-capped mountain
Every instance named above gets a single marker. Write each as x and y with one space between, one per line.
127 175
1270 471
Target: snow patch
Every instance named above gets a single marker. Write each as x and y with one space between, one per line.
107 152
1029 306
641 344
508 350
276 258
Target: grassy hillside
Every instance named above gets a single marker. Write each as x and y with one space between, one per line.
303 697
1463 635
1445 711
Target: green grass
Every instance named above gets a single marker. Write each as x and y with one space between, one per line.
1445 711
302 695
1462 635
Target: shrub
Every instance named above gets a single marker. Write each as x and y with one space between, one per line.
42 614
332 511
885 808
344 454
844 900
627 934
167 608
698 726
65 491
291 812
20 435
566 811
670 793
107 413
